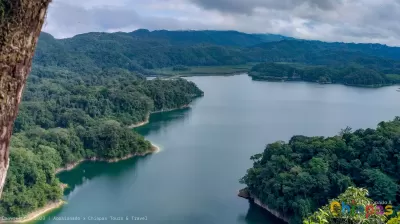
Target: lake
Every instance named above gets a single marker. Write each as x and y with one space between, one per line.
205 150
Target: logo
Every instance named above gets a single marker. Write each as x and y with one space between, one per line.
353 209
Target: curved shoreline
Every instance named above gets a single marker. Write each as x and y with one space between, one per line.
54 205
147 120
153 149
35 215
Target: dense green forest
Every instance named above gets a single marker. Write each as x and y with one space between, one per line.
298 177
223 38
67 116
146 52
354 75
84 91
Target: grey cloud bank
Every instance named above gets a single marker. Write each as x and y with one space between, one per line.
249 5
363 21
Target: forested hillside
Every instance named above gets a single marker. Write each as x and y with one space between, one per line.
298 177
103 50
306 49
67 116
223 38
143 51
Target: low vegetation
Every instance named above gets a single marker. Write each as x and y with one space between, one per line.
204 70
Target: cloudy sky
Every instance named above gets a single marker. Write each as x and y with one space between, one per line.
330 20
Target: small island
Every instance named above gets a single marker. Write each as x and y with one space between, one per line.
347 75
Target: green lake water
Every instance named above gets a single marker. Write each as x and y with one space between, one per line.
206 149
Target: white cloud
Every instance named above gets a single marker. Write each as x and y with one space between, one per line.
329 20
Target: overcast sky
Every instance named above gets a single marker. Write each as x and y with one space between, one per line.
374 21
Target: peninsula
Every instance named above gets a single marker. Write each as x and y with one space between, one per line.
83 118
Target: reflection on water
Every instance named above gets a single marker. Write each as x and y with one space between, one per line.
206 150
126 172
160 121
86 171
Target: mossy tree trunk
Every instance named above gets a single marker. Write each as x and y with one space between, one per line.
20 25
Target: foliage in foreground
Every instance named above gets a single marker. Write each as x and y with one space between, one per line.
362 210
395 220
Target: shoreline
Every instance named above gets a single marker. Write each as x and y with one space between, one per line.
244 193
147 120
213 74
153 149
54 205
35 215
373 86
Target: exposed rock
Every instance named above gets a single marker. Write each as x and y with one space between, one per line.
245 193
272 211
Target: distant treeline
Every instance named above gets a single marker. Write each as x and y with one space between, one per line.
354 75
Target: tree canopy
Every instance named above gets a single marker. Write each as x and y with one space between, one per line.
67 116
351 207
298 177
144 51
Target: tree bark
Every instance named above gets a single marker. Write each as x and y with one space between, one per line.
20 24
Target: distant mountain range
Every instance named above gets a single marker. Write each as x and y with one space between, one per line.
143 50
223 38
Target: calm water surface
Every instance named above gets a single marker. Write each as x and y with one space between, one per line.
206 149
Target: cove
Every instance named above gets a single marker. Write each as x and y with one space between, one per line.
205 149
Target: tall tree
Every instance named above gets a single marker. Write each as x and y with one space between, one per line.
20 24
